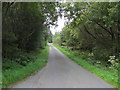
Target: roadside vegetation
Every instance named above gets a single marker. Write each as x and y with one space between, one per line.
109 74
1 78
17 72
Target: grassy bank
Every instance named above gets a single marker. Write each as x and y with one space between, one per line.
1 78
19 72
109 75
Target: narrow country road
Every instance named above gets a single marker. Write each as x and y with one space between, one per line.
61 72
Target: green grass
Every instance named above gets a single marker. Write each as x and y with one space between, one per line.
18 73
0 78
110 76
0 73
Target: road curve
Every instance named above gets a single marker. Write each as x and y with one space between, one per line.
61 72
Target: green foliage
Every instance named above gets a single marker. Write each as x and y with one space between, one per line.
91 27
25 25
101 54
57 38
25 29
50 37
13 71
8 64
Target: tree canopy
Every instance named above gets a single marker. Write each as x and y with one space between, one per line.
91 26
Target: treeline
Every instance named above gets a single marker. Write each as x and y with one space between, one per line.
25 29
92 27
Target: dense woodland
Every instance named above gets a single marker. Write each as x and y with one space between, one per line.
25 29
92 27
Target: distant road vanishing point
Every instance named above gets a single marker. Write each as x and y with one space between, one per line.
60 72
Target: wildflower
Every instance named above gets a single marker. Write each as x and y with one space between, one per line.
116 60
113 61
109 60
98 62
112 57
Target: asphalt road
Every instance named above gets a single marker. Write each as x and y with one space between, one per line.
61 72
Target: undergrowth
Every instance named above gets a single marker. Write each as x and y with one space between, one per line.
14 71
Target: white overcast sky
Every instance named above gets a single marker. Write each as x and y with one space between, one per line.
59 27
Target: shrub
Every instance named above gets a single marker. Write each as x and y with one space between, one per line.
101 54
9 64
113 61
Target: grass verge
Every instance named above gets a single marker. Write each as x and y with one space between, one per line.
110 76
20 72
1 78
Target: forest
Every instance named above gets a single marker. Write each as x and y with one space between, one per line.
91 28
91 31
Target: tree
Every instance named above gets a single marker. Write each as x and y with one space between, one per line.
91 25
26 26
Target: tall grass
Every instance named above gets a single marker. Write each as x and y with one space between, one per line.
110 76
18 73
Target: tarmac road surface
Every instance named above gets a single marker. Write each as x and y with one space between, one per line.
60 72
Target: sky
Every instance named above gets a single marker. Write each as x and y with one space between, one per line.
59 27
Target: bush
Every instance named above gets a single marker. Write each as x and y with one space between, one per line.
9 64
25 58
21 58
17 72
101 54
